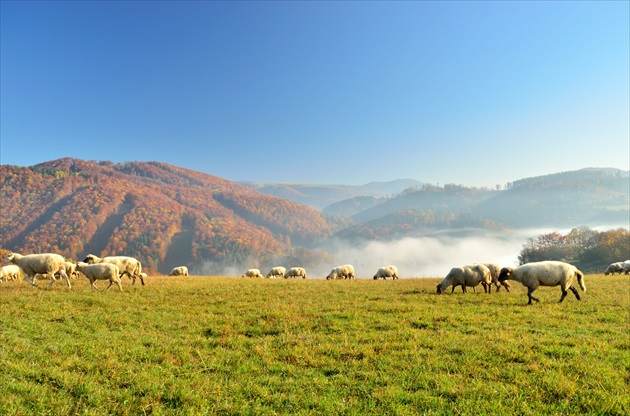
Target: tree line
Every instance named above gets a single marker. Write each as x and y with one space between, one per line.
593 250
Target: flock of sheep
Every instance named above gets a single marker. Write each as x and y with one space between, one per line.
113 268
531 275
342 272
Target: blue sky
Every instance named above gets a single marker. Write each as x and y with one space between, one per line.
473 93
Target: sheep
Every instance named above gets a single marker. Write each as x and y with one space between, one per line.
276 271
341 272
495 270
295 272
71 270
46 264
9 272
387 271
100 271
253 273
614 268
626 266
143 276
470 275
127 265
545 273
179 271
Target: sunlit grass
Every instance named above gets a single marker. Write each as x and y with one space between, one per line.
219 345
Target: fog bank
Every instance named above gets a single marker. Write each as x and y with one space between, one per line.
433 255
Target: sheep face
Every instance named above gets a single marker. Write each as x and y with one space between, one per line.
90 259
440 289
505 274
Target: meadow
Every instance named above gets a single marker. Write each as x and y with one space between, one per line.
232 346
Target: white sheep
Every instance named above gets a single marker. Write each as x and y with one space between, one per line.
385 272
341 272
127 265
470 275
179 271
47 264
9 272
545 273
253 273
614 268
495 271
100 271
295 272
626 266
276 271
143 275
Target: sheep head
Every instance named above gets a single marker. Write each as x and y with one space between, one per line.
90 259
505 274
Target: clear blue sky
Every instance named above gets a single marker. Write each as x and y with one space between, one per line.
473 93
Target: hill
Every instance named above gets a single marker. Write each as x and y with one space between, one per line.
321 196
585 197
589 196
161 214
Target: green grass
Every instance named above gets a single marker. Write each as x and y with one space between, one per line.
217 345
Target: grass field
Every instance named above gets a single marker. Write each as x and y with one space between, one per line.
231 346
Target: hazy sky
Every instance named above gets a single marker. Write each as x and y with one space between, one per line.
473 93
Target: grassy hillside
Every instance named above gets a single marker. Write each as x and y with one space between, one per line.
218 345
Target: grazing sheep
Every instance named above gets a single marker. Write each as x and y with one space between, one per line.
47 264
100 271
545 273
626 266
341 272
295 272
614 268
385 272
253 273
179 271
495 270
469 275
276 271
9 272
127 265
143 275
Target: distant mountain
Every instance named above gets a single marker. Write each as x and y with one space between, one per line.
350 207
415 222
164 215
321 196
591 196
454 198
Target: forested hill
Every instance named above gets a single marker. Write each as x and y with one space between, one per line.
585 197
164 215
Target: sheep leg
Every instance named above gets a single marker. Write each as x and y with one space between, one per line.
506 285
564 294
31 280
65 276
52 278
464 288
529 295
575 292
141 280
